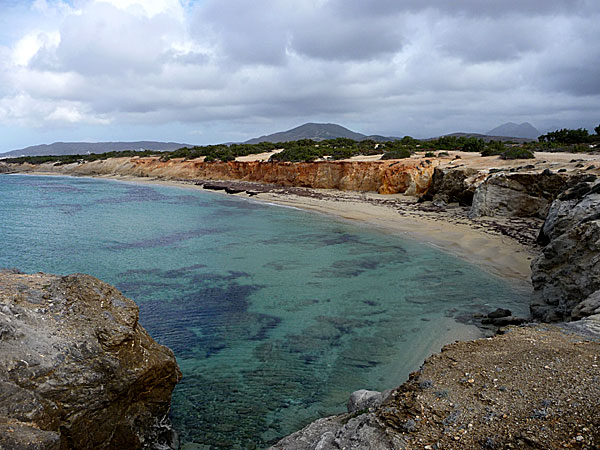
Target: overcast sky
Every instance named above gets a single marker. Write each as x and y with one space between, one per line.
210 71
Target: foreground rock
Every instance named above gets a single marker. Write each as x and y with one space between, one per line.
535 387
76 368
566 275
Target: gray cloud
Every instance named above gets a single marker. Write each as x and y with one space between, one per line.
383 67
476 8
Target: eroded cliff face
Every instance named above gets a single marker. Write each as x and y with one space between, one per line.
76 368
410 176
566 274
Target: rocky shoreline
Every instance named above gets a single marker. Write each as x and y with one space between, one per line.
534 386
531 387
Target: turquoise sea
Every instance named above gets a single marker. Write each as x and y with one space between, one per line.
275 315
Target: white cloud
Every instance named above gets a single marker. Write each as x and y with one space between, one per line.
30 44
150 8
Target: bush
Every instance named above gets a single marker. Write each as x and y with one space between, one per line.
429 154
397 154
494 148
517 153
473 145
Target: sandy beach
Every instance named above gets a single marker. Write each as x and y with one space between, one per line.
503 247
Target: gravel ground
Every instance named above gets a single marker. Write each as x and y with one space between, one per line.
535 387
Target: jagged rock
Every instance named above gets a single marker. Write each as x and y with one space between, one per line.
76 368
567 271
507 320
502 318
363 432
214 187
455 185
498 313
589 307
517 194
364 399
588 326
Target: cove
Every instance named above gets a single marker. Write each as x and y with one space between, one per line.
275 315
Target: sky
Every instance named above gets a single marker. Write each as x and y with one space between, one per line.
211 71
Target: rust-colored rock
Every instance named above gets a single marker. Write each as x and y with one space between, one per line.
410 176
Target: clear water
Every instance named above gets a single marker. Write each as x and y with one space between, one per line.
275 315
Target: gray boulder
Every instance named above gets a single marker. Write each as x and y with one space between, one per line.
566 275
363 432
516 194
363 399
589 307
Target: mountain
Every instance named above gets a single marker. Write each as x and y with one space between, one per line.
511 129
82 148
316 132
488 138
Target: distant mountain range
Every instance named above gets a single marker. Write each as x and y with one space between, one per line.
316 132
511 129
488 138
82 148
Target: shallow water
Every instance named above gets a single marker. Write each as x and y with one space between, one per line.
275 315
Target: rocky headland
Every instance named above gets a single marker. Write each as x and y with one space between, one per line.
76 368
532 386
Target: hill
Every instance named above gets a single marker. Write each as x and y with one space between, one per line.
82 148
511 129
316 132
488 138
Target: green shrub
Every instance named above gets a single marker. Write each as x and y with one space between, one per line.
494 148
517 153
429 154
397 154
473 145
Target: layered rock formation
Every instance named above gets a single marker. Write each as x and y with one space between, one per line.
531 388
76 368
517 194
410 176
566 275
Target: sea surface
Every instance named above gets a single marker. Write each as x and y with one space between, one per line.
275 315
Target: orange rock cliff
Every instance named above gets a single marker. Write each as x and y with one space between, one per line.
410 176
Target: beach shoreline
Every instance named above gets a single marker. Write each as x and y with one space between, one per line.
502 247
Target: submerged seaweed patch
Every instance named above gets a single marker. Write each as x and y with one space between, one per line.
164 240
